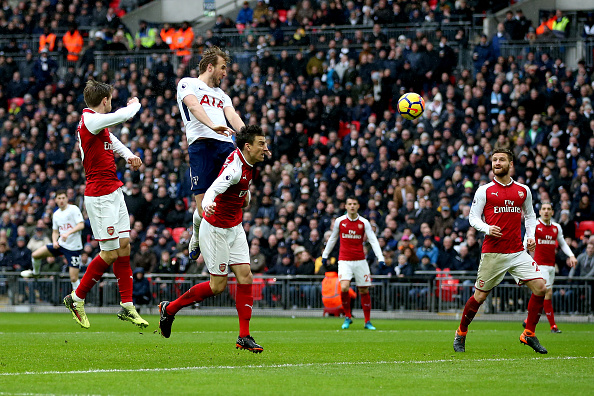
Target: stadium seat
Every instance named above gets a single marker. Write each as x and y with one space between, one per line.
445 285
583 226
176 233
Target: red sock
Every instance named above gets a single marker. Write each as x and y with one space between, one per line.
366 305
93 275
470 310
548 308
123 272
345 297
196 294
244 303
534 307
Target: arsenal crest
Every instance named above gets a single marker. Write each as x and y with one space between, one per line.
223 267
110 230
481 283
360 226
521 194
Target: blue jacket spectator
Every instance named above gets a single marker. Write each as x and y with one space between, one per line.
500 37
246 14
428 249
482 54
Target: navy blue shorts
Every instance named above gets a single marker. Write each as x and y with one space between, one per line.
72 256
207 157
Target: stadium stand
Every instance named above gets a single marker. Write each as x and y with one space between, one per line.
321 79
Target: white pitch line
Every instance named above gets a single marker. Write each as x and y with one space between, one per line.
290 365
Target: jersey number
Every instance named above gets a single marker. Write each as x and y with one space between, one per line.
75 261
186 111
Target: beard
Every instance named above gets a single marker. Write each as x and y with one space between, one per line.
503 171
216 82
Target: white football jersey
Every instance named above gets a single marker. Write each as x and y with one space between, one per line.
65 220
213 100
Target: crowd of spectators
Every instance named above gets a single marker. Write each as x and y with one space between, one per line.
329 119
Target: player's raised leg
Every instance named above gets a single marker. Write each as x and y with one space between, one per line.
36 257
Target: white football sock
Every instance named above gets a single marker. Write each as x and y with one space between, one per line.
127 305
75 284
197 219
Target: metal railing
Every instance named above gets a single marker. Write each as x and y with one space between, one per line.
556 48
317 36
420 294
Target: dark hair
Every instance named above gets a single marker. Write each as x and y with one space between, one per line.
510 155
247 134
60 192
211 57
546 203
95 91
352 197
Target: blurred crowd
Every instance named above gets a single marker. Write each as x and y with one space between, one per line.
328 114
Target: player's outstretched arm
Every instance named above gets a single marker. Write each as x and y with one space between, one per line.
226 179
191 101
233 118
96 122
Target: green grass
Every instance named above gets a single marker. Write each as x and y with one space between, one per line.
301 356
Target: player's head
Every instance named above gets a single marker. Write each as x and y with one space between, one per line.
546 211
352 205
61 199
501 161
98 94
252 143
214 64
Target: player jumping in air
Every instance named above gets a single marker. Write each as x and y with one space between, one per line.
547 235
222 238
501 204
104 200
67 223
351 229
205 109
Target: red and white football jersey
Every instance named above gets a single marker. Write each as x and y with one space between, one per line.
97 146
228 191
502 206
547 237
352 235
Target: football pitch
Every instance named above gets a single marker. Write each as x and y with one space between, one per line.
50 354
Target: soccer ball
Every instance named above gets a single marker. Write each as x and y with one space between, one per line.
411 105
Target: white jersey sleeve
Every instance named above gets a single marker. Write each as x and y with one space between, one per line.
561 240
230 175
333 238
476 210
373 240
529 215
96 122
119 147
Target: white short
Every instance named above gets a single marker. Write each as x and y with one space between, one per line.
493 267
223 247
359 269
109 219
548 273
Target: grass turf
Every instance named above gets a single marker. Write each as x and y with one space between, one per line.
49 353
